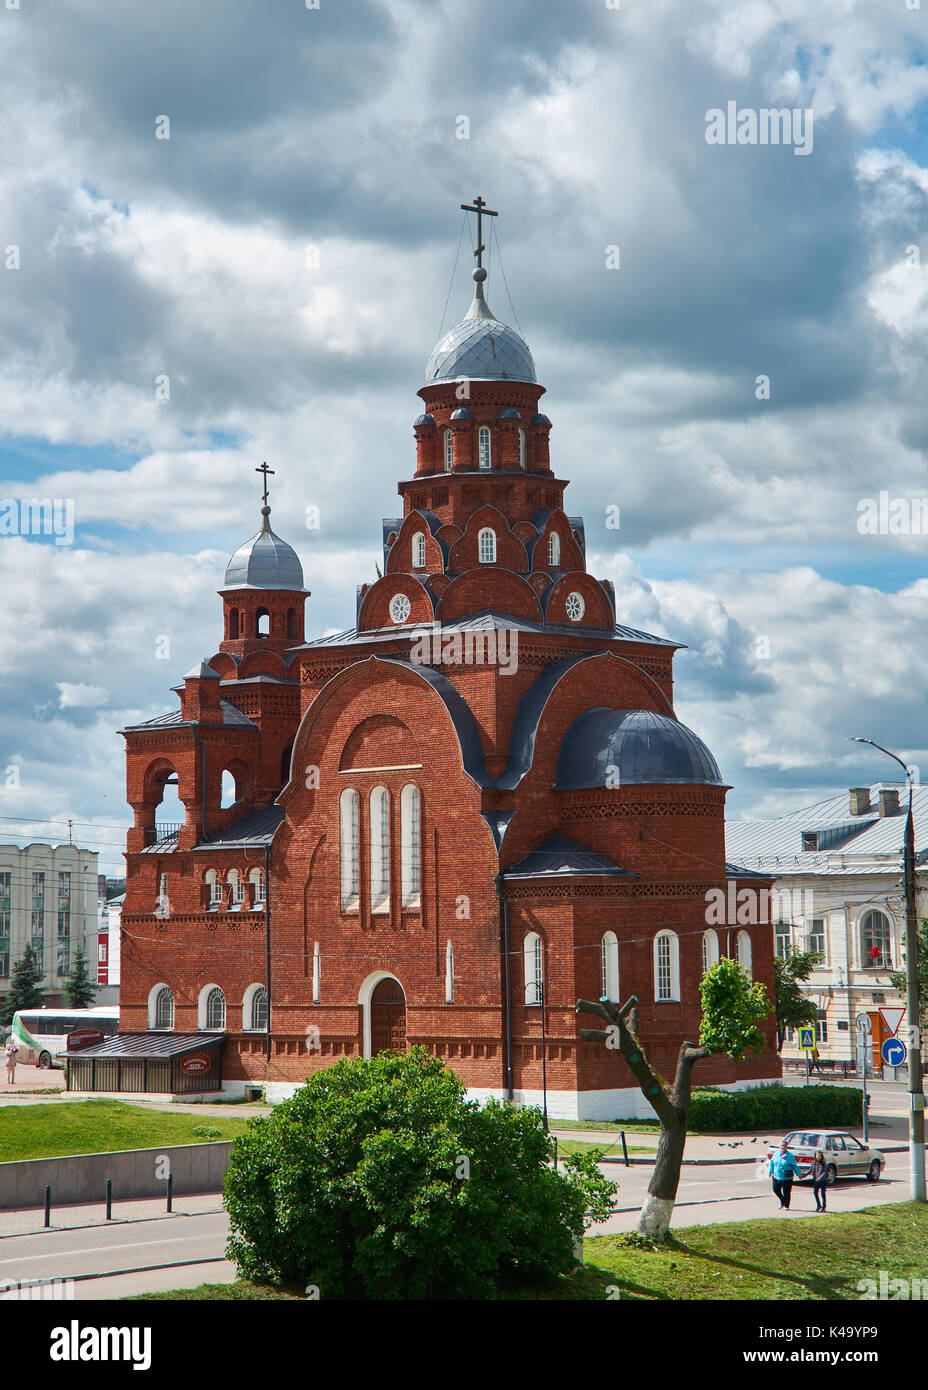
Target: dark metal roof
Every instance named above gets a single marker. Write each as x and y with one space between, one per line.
255 828
231 715
488 618
638 745
558 856
739 871
128 1045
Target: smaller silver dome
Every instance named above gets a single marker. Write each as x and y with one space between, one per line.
424 420
264 562
509 412
462 413
540 420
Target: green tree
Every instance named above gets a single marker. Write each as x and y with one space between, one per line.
379 1180
794 1009
25 987
732 1010
78 987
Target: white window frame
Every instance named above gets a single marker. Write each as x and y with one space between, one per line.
214 883
203 1009
486 545
379 827
610 966
350 848
249 1003
710 949
554 550
449 450
484 447
534 967
666 968
866 962
418 551
521 448
256 879
411 844
744 952
449 973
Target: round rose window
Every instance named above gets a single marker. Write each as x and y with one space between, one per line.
400 606
575 607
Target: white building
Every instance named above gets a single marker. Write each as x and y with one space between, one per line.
839 890
48 898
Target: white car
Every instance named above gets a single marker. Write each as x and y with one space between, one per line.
845 1156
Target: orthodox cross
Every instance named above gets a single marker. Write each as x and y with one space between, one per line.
265 470
480 208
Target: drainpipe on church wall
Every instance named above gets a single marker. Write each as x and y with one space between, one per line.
267 942
498 885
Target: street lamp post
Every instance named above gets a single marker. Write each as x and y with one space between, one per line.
916 1097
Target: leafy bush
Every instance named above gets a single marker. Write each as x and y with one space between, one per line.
205 1132
774 1107
378 1180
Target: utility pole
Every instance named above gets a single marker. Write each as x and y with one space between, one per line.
916 1095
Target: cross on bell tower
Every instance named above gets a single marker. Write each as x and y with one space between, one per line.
265 470
480 208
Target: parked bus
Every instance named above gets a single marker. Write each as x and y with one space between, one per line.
42 1034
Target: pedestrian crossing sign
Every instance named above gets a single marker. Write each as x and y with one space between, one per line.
806 1039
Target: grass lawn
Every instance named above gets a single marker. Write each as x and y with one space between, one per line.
100 1126
818 1257
577 1146
607 1126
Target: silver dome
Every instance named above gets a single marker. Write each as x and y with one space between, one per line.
643 745
481 349
264 562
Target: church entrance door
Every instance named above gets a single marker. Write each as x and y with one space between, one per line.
388 1018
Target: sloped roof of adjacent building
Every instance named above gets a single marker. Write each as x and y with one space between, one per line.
231 715
489 620
559 857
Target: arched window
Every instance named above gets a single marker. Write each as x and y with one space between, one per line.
162 902
486 543
380 850
262 623
666 967
317 972
483 446
214 885
227 794
710 949
610 964
534 978
554 549
215 1010
449 450
255 1010
233 623
521 448
163 1013
256 879
743 947
236 888
418 551
449 974
876 944
410 845
349 805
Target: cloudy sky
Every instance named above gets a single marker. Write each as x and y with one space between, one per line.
268 282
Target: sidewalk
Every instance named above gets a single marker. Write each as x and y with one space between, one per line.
31 1220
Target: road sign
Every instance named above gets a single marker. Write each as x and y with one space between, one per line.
893 1052
806 1039
892 1017
864 1023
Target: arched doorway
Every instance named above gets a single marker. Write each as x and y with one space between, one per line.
388 1017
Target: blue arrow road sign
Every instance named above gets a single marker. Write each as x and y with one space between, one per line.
893 1051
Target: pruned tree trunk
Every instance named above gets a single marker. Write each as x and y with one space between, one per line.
671 1104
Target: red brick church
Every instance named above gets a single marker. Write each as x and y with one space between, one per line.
450 821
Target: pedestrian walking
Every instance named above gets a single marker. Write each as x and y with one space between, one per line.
783 1168
819 1179
11 1050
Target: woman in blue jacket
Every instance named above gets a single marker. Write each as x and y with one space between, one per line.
783 1168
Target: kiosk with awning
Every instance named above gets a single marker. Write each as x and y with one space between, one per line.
172 1063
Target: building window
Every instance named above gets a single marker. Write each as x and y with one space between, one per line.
710 949
534 979
64 905
449 450
317 972
418 551
236 888
256 1014
380 850
821 1027
554 549
63 955
256 879
215 1010
449 974
400 608
38 903
666 967
521 448
610 966
817 936
575 607
410 843
875 941
262 623
782 939
483 446
164 1009
486 541
162 903
6 879
214 885
743 946
350 812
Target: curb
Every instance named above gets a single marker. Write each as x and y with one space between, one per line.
715 1162
115 1273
